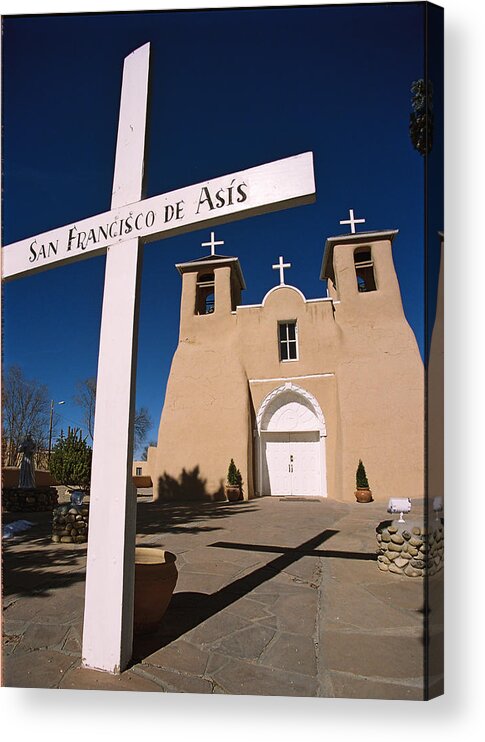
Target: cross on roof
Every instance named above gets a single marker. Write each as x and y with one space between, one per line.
281 267
352 221
212 243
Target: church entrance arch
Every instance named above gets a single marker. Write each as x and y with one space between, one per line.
290 444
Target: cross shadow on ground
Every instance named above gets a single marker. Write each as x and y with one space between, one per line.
189 609
34 565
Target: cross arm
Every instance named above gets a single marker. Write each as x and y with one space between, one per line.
276 185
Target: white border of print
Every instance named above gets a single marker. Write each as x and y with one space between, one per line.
42 712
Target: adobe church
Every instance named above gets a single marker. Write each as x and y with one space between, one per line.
295 390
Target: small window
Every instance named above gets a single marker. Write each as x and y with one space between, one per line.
287 337
205 298
138 471
364 270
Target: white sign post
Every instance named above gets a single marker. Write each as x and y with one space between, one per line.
108 612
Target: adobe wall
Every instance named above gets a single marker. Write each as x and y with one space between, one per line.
380 382
318 340
10 477
206 419
143 465
357 356
367 376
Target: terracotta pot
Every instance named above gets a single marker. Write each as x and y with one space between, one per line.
363 496
155 580
233 492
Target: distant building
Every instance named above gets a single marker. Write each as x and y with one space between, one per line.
295 390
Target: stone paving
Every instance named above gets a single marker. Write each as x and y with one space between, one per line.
274 597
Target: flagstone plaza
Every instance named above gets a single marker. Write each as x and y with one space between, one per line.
274 596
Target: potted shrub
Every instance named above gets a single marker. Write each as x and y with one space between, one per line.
233 486
362 493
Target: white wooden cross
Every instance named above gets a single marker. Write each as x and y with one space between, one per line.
281 267
352 221
212 243
120 233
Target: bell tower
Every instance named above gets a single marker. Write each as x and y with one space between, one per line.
205 419
211 290
360 272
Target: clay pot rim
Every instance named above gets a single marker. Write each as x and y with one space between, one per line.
152 555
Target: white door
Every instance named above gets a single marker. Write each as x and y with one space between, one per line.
292 464
305 464
277 460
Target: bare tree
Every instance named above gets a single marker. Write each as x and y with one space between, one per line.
86 399
143 423
144 453
25 409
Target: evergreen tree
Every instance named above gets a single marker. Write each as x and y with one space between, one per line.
421 121
70 462
239 480
232 474
361 477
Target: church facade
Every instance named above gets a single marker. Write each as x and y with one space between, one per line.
295 390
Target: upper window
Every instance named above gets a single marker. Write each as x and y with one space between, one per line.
364 269
138 471
287 337
205 300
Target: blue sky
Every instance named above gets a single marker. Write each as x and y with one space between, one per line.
230 90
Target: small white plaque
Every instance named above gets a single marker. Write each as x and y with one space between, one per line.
399 505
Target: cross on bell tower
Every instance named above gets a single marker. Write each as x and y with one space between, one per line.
212 243
281 267
352 221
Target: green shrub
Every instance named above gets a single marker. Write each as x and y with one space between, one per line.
232 473
239 478
361 477
70 461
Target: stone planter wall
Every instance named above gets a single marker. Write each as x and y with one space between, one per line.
70 524
15 500
408 549
10 478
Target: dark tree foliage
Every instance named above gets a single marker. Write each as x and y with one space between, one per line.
361 477
232 474
239 479
70 462
421 118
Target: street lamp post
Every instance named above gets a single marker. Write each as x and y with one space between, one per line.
50 427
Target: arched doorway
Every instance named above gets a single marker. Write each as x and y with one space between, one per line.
290 444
